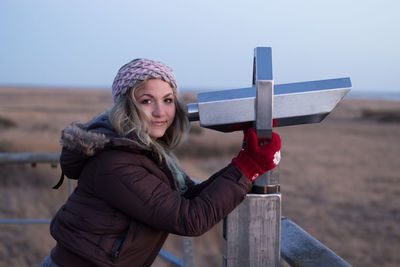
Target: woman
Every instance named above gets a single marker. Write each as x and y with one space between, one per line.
131 192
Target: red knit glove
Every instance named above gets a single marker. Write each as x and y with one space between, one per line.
255 159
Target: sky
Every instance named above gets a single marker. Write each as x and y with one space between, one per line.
209 44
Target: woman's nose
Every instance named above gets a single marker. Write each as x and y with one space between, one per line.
158 110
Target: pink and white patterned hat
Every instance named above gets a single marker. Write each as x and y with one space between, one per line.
139 70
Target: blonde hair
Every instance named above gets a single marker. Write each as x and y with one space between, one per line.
130 121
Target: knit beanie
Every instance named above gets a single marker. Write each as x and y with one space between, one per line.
139 70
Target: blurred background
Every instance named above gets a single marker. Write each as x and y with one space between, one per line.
339 179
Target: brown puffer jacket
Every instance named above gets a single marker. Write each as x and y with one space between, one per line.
125 204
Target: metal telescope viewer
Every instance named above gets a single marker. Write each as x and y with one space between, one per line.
288 104
252 232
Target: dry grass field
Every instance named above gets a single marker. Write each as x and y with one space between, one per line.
340 179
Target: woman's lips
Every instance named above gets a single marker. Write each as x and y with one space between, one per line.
159 123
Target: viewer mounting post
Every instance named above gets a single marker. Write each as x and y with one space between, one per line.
254 228
252 232
263 81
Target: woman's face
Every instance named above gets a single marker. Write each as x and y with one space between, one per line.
157 99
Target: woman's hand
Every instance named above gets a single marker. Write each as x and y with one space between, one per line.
259 155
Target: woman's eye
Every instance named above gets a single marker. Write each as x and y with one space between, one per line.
146 101
169 100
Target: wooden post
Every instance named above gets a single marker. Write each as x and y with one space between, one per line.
252 232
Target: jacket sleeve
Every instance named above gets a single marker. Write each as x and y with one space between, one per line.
195 188
144 197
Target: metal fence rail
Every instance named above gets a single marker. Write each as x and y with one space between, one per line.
26 157
299 248
53 158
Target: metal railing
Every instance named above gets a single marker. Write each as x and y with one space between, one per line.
299 248
53 159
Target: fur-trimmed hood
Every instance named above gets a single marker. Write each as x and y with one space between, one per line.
77 138
81 141
88 138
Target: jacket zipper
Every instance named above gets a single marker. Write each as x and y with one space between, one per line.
117 248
